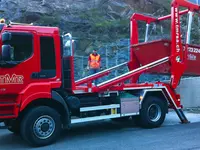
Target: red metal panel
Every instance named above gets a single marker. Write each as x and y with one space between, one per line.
193 61
90 79
141 17
169 16
187 4
57 43
149 52
39 29
35 91
175 98
72 71
178 63
72 67
133 64
120 80
177 60
162 48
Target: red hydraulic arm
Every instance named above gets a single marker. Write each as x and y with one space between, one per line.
177 61
178 56
90 78
134 63
169 53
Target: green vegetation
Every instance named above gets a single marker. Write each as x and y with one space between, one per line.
105 27
50 20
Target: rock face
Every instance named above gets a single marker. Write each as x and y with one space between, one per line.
85 17
100 24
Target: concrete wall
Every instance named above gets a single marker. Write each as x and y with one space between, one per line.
190 92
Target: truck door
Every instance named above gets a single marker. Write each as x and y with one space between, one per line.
15 74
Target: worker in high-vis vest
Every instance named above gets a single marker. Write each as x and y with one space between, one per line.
94 63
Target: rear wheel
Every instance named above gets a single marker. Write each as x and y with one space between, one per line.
152 113
41 126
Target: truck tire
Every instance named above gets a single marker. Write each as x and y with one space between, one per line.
41 126
152 113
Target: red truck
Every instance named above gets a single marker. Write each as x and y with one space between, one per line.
39 95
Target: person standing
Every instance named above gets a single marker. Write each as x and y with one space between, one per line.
94 63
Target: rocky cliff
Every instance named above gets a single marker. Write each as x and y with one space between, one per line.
103 20
94 23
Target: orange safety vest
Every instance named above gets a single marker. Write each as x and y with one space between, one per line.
94 63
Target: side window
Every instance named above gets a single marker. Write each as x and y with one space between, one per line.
47 50
22 46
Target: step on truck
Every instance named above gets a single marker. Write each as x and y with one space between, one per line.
39 96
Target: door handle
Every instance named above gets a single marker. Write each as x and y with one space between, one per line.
34 75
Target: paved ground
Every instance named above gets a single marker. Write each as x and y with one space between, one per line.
110 135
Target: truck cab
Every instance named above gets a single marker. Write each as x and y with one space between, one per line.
30 65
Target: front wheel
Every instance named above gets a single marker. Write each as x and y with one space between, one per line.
152 113
41 126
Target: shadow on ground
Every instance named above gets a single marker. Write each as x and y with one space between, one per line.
98 128
87 132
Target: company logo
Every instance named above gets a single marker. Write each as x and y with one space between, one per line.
14 79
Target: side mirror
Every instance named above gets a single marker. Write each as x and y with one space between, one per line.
6 53
6 36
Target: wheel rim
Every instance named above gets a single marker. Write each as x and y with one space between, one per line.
154 112
44 127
